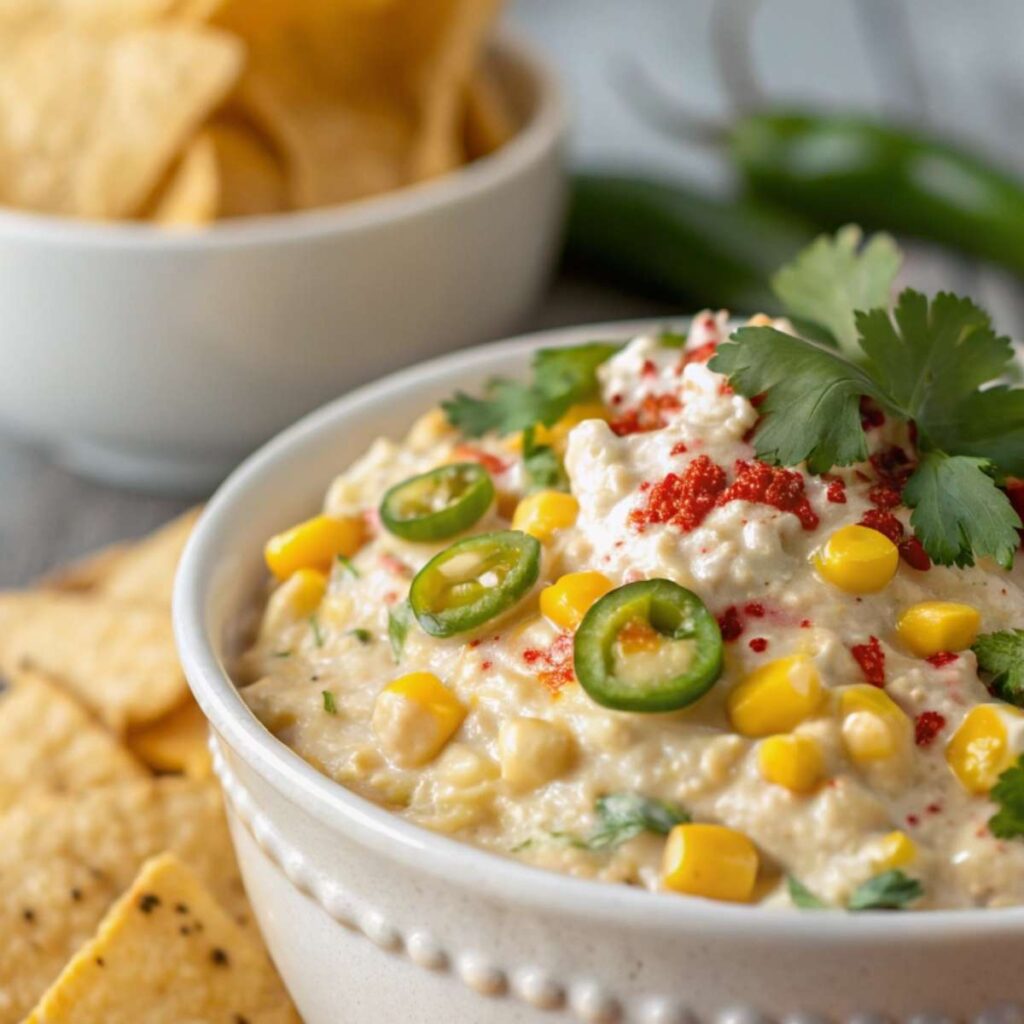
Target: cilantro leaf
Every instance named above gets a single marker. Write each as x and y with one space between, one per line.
988 424
928 357
318 635
1001 655
622 816
561 377
801 896
329 703
399 620
831 279
1008 792
364 636
959 513
544 470
347 566
811 409
891 890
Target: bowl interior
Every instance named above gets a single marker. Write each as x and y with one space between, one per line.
222 571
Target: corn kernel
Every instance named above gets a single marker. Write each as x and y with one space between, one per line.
533 752
795 762
543 513
858 560
776 698
896 850
415 716
712 861
298 597
557 434
313 544
934 626
874 725
566 601
984 745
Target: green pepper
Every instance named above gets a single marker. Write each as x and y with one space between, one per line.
686 641
438 504
677 243
473 581
837 169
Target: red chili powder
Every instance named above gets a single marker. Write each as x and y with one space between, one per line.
678 448
913 553
730 624
683 500
871 659
649 369
557 670
884 496
927 727
754 609
771 485
759 645
893 465
884 522
836 492
942 658
870 415
700 354
650 414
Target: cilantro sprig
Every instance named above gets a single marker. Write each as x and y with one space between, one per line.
935 363
623 816
891 890
1001 655
561 377
1008 793
544 469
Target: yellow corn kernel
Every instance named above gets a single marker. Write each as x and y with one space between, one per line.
557 434
984 745
795 762
858 560
933 626
874 725
533 752
712 861
415 716
896 850
775 698
300 595
543 513
567 600
313 544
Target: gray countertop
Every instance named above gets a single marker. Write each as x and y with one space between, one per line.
49 515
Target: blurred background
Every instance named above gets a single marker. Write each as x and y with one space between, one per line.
656 89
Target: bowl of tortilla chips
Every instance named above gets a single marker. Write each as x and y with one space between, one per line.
217 214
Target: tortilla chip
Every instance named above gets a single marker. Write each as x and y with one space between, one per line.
65 859
360 98
490 121
86 573
252 178
48 742
164 954
191 195
117 658
178 742
90 122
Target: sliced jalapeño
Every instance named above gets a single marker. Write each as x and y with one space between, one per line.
439 504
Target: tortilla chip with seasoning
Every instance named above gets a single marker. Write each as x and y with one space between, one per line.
119 659
166 953
175 743
50 743
65 859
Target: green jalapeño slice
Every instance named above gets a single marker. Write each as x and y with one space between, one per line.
648 646
473 581
438 504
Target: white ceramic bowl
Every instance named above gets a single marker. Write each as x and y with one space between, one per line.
159 359
372 919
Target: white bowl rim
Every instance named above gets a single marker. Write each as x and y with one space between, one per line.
546 127
441 856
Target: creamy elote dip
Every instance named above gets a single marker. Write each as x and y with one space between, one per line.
793 714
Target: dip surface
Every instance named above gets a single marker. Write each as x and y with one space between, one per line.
663 471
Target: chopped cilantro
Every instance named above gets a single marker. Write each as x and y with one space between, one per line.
281 654
399 620
544 470
1008 793
329 706
937 364
1001 655
561 376
622 816
318 636
347 566
364 636
891 890
801 896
